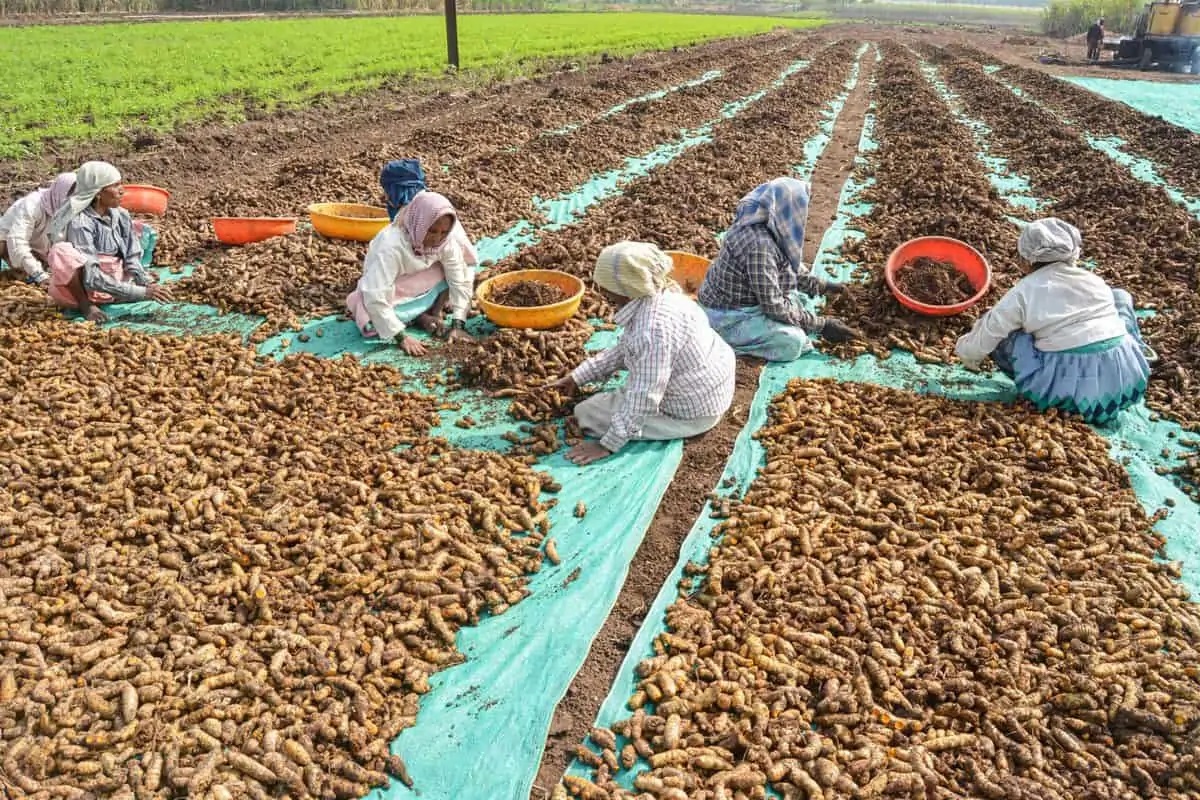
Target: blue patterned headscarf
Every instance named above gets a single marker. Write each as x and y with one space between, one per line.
401 181
782 205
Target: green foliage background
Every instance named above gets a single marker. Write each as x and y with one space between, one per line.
76 82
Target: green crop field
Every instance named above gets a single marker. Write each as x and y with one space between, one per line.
81 82
938 12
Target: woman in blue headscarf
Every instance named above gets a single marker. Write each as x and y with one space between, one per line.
751 292
401 180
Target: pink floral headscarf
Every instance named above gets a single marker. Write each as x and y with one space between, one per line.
420 215
427 208
56 194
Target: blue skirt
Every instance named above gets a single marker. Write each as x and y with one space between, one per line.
1096 382
750 332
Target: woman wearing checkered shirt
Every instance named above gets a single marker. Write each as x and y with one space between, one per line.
752 290
681 373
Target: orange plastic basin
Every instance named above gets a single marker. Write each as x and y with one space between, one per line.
689 271
537 317
244 230
143 199
966 259
354 221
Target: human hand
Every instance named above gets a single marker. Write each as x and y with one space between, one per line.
411 346
833 289
565 385
837 331
94 314
587 453
159 293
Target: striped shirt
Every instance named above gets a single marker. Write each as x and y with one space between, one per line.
678 366
751 271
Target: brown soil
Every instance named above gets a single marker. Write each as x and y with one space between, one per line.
682 205
836 164
992 47
434 118
934 283
526 294
703 462
928 182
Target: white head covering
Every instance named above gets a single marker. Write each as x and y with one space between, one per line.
90 179
1050 240
633 269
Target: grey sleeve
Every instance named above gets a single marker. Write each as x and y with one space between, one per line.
95 280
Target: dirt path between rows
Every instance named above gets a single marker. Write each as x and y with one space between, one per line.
703 463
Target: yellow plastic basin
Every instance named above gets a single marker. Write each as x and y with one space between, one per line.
354 221
537 317
689 270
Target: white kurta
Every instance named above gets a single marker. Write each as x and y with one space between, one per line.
1063 306
24 228
391 257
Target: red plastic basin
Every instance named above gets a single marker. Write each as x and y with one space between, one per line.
145 199
244 230
966 259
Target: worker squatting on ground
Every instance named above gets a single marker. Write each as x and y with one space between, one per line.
752 290
417 263
25 228
1095 38
1066 338
681 374
97 255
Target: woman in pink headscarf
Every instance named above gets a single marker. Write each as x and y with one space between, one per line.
414 267
24 228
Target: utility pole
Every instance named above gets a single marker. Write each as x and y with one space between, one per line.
452 32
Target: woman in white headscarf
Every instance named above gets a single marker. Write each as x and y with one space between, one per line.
1066 338
97 257
681 373
24 228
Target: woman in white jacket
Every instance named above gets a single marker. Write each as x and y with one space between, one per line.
1066 338
24 228
414 267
